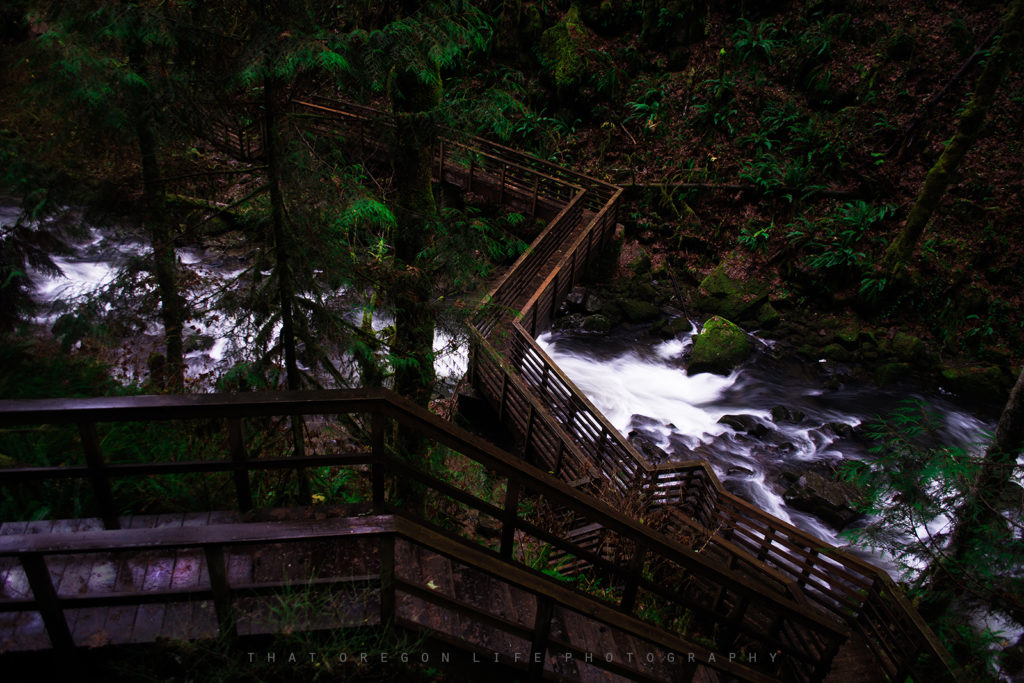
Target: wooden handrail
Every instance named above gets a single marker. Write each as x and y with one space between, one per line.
808 634
530 393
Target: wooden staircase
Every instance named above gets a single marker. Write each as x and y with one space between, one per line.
733 579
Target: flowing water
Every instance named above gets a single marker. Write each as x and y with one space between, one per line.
772 416
215 341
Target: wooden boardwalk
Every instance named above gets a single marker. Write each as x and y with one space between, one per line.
461 603
752 583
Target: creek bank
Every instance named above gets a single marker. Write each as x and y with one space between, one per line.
648 297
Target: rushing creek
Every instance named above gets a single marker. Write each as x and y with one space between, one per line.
771 416
214 341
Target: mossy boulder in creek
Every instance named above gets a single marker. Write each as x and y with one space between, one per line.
720 347
985 384
732 298
563 50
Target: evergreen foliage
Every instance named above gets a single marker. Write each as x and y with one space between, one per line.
914 491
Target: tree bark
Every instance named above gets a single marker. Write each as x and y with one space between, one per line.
413 102
978 518
285 287
899 252
172 308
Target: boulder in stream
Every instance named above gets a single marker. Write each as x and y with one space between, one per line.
745 423
821 495
720 347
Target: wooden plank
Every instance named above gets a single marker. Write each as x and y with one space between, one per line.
157 575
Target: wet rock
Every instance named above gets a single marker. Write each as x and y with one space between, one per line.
719 348
574 299
745 423
648 448
840 429
822 496
766 316
836 352
636 311
907 348
738 470
570 323
731 298
636 420
596 323
781 414
592 304
986 384
891 373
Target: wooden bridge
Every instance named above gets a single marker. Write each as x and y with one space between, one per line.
542 570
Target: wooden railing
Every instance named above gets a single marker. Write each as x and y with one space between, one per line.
378 592
736 605
563 432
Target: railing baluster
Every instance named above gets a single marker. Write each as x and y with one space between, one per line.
511 514
378 470
541 632
45 596
241 472
387 578
98 475
501 185
221 589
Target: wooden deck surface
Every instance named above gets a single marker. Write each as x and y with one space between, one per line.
454 602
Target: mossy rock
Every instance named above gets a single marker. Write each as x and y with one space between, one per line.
766 316
563 50
891 373
733 299
596 323
637 311
669 329
979 383
720 347
836 352
848 338
907 348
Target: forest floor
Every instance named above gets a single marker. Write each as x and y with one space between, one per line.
789 140
790 143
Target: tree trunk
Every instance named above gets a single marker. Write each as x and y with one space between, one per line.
978 518
899 252
285 288
413 102
172 308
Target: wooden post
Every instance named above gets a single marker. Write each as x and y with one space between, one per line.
98 475
533 204
554 296
628 600
387 578
221 590
511 514
440 160
541 632
46 600
377 468
501 187
241 471
504 395
559 458
529 431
